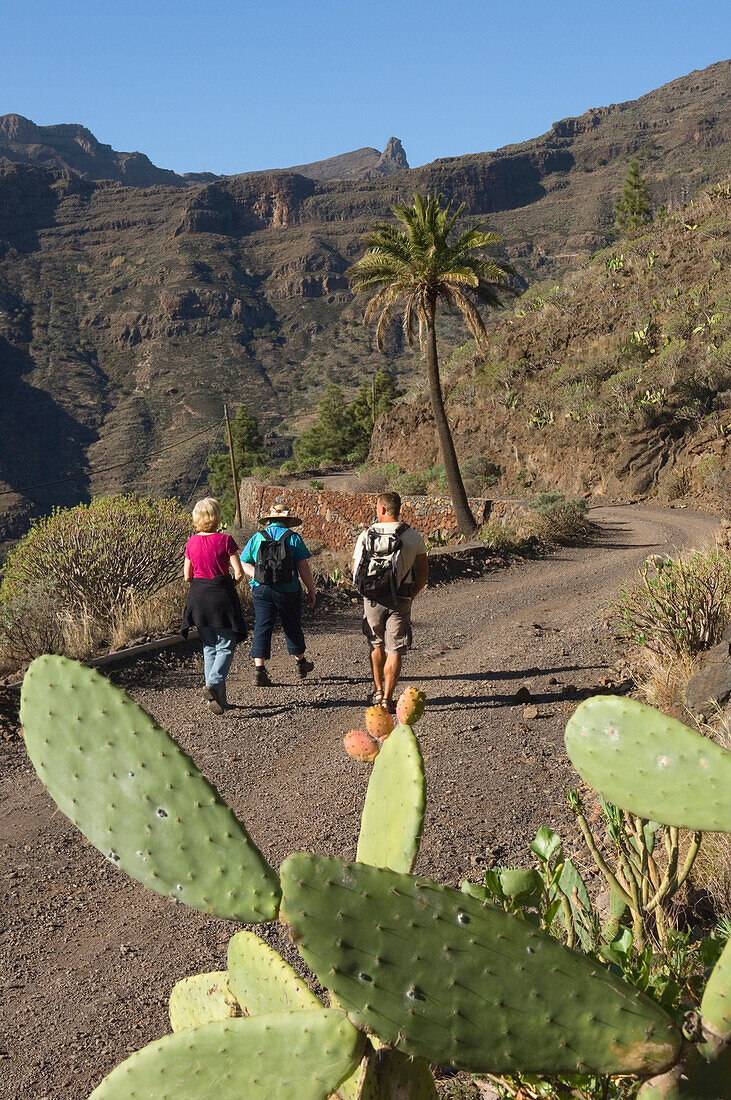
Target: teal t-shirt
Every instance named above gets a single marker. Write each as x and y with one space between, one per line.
297 548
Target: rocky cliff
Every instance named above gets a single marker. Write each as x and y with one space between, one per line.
128 314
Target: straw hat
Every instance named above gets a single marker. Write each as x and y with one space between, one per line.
279 514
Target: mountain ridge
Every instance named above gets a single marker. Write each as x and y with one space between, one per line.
128 314
73 149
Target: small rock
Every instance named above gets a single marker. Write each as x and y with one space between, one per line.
531 712
523 694
710 685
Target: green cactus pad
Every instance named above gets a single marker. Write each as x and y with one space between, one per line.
296 1055
363 1084
393 813
402 1078
716 1003
201 999
650 764
137 797
262 981
692 1078
437 975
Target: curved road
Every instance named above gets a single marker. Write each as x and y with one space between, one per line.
91 957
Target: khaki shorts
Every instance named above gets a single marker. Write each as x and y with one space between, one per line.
384 627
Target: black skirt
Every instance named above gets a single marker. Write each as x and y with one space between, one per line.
213 603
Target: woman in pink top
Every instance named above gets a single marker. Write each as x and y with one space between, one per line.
213 604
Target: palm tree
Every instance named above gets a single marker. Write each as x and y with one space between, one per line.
415 268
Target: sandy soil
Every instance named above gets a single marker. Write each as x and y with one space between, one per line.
90 956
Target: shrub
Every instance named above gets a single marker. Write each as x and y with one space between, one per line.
479 474
558 518
82 566
679 607
501 538
29 625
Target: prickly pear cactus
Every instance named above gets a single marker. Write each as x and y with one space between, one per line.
260 979
379 722
410 706
716 1003
137 796
361 746
201 999
296 1055
438 975
393 813
650 764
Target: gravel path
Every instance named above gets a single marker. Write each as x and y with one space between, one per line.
90 957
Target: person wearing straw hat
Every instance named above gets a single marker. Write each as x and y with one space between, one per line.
276 561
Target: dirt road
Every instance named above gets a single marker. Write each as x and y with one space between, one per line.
90 957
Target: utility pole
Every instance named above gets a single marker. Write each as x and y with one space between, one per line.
233 466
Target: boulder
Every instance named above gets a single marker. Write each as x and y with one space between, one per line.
710 685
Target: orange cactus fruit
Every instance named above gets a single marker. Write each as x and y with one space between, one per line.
361 746
410 706
379 722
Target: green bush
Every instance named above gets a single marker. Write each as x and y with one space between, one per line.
679 607
86 564
558 518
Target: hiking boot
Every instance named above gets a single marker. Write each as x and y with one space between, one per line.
261 677
303 667
211 698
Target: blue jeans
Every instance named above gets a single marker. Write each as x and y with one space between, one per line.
218 653
270 605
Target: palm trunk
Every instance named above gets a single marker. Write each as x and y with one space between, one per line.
465 520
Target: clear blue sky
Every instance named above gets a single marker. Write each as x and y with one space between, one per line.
234 85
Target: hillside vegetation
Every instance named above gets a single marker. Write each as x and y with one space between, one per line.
616 379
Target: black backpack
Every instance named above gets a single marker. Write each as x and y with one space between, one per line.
378 573
274 562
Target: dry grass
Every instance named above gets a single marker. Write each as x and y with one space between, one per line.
712 868
144 617
331 567
662 683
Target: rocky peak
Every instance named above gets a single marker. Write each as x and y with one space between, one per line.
18 128
392 159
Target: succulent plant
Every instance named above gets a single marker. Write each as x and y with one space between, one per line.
432 973
410 706
361 746
378 722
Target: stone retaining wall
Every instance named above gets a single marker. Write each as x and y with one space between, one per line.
335 519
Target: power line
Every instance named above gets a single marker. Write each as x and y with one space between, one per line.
204 467
115 466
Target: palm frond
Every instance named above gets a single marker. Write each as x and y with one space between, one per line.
383 324
408 318
470 313
385 297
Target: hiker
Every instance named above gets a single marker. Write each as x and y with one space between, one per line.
213 603
276 561
390 568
